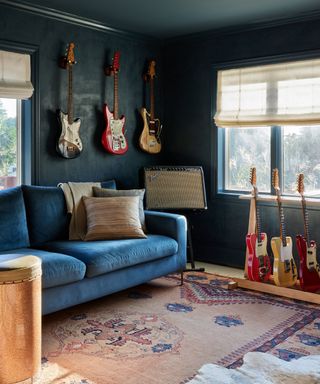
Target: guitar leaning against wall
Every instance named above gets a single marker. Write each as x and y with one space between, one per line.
150 137
69 144
258 260
113 138
284 267
309 267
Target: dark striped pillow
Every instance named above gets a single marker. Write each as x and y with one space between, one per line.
113 218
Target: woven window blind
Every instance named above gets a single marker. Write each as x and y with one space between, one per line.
15 75
276 94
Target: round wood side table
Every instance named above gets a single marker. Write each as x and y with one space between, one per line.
20 318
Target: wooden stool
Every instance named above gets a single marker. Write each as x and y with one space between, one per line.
20 319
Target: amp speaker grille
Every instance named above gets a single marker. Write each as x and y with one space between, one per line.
175 188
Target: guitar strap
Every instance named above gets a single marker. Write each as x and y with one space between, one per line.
251 229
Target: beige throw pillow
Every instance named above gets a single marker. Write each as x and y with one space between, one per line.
106 192
113 218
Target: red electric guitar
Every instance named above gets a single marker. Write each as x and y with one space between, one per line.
113 138
258 260
307 249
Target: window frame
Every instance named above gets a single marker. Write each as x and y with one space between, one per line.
218 158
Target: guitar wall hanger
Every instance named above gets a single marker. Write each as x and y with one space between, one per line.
109 71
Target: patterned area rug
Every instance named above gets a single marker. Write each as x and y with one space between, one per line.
161 333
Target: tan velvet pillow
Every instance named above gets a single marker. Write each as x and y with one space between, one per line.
106 192
113 218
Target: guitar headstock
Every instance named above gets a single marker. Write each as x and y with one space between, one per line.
151 72
116 62
70 54
115 66
152 69
68 60
300 184
253 176
275 179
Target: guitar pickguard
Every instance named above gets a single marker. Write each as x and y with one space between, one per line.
118 139
150 137
286 252
312 262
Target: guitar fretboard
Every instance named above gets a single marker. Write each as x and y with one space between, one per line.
305 220
70 99
115 95
258 218
152 98
283 234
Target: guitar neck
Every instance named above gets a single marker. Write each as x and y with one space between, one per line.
152 99
115 97
283 234
305 220
258 218
70 98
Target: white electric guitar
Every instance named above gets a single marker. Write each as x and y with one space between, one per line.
69 144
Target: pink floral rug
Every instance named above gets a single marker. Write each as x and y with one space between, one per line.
161 333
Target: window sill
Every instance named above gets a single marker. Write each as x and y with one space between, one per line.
291 200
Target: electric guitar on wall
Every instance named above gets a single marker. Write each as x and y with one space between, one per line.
284 267
307 249
69 144
258 260
150 137
113 138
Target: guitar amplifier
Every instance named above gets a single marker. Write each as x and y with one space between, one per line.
174 187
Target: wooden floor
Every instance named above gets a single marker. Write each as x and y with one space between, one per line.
220 269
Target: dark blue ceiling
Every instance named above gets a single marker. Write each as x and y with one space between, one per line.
169 18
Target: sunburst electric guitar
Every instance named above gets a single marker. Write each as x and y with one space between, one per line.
69 144
258 260
113 137
309 267
150 137
284 266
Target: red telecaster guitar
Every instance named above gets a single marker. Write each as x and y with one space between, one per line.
258 260
307 249
113 138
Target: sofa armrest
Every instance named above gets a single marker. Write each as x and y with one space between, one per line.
169 224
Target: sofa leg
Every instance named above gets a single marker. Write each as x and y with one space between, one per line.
181 278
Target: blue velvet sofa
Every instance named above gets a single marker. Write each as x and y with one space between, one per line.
34 221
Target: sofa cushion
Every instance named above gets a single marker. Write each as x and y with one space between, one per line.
46 211
57 269
112 218
105 256
13 222
47 215
106 192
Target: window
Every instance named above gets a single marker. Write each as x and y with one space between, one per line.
15 85
10 140
269 117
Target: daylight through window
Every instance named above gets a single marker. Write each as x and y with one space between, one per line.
9 143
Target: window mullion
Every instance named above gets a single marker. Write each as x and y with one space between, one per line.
276 153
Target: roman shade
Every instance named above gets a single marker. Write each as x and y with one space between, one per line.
265 95
15 75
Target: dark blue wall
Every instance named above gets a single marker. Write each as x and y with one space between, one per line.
94 50
186 75
219 233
